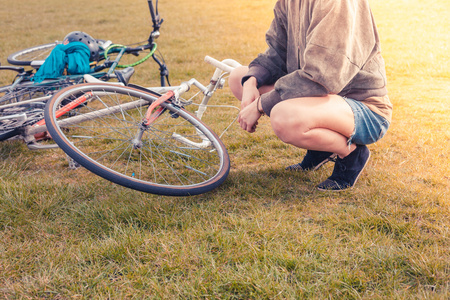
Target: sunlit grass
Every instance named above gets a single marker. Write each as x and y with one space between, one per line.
264 233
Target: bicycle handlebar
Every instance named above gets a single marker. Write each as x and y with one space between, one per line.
11 68
156 20
226 65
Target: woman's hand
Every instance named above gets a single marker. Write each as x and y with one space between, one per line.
250 92
249 116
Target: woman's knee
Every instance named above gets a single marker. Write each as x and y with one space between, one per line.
286 124
235 79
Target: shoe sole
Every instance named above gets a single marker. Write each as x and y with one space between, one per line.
356 180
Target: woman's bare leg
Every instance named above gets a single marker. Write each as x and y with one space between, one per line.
315 123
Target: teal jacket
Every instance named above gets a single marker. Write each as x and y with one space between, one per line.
74 56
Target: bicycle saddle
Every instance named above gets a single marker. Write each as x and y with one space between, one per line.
125 75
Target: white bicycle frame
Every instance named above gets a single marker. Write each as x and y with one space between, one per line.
222 68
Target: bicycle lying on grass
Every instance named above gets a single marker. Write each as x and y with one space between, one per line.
138 138
22 102
147 139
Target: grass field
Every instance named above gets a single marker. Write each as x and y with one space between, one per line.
263 234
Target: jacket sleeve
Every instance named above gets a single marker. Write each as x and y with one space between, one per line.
270 65
340 39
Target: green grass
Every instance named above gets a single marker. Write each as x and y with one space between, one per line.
263 234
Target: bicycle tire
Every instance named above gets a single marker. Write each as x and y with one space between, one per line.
103 140
24 57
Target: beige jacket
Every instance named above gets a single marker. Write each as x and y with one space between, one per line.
320 47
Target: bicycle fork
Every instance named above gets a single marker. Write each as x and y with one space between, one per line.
173 96
150 117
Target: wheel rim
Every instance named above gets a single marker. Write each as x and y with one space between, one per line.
26 56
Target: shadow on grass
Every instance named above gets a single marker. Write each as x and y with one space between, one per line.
113 206
271 184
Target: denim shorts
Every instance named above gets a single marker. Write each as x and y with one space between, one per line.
369 126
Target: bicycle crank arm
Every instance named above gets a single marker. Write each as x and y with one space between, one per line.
35 146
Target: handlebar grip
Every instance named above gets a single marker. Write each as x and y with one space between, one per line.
154 13
227 65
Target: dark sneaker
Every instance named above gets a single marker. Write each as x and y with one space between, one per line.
313 160
346 170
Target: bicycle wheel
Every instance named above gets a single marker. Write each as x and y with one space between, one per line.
14 114
26 99
28 90
105 136
26 56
